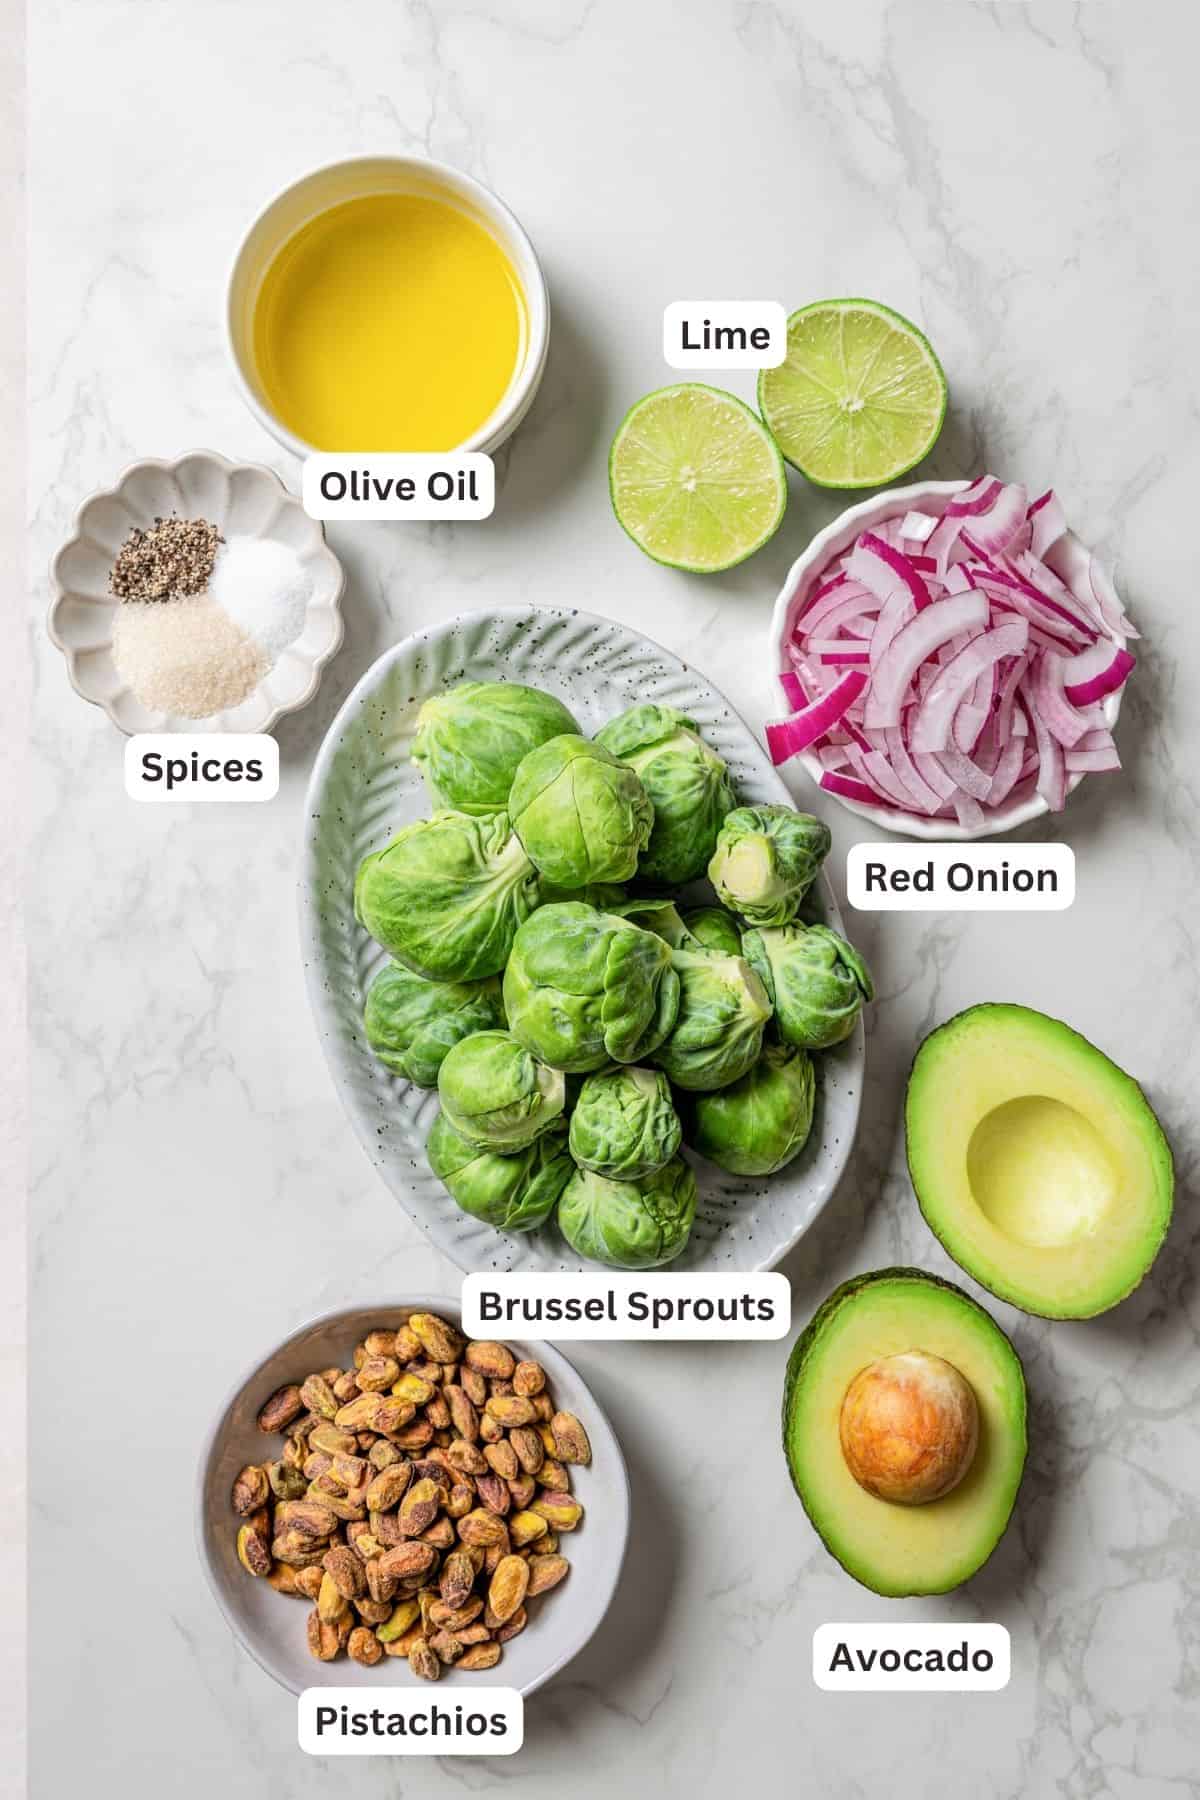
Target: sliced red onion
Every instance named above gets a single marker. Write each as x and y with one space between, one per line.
1097 672
932 730
994 526
885 571
1045 687
1092 762
850 789
914 645
1048 522
793 687
918 527
964 773
968 812
976 500
1105 596
926 798
785 737
1007 772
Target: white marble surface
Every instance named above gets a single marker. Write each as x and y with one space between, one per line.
1021 179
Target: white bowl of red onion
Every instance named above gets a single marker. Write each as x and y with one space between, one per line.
952 659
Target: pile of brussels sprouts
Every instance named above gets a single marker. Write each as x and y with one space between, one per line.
577 1034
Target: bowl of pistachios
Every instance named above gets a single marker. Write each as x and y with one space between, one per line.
384 1500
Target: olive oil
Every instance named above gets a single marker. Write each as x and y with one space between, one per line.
389 322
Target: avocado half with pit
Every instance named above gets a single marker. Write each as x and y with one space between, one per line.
1037 1161
904 1429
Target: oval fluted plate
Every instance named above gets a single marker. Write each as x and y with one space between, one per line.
364 788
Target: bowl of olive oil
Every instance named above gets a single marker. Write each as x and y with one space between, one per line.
387 303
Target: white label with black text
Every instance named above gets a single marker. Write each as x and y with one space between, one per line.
404 485
405 1721
960 877
202 765
724 334
628 1306
877 1659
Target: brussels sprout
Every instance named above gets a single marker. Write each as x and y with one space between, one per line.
470 740
624 1124
688 785
447 895
495 1094
659 916
411 1023
816 980
715 928
762 1121
766 860
629 1224
581 815
723 1009
513 1193
583 988
606 896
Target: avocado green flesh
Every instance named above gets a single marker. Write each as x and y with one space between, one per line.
893 1549
1036 1161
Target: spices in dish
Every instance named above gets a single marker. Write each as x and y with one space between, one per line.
175 557
418 1499
389 322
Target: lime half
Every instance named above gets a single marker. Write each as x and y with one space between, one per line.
859 398
696 479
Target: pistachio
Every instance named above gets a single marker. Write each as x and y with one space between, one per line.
250 1490
463 1416
507 1588
427 1370
554 1476
346 1507
373 1612
406 1345
346 1571
306 1517
284 1579
543 1406
514 1626
419 1507
410 1437
438 1413
522 1490
460 1499
383 1455
401 1621
502 1389
427 1468
388 1487
528 1448
528 1378
440 1534
494 1553
413 1387
482 1528
456 1617
324 1641
349 1472
358 1414
570 1439
424 1661
284 1405
490 1430
318 1396
308 1581
380 1343
445 1646
407 1560
330 1440
316 1464
362 1646
545 1572
402 1645
510 1409
254 1544
378 1373
480 1656
545 1546
495 1361
558 1510
457 1579
467 1459
526 1527
345 1388
380 1585
494 1493
437 1338
478 1633
331 1602
473 1384
502 1457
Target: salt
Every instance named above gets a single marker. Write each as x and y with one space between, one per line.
264 588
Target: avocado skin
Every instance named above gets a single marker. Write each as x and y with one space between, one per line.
799 1354
1158 1140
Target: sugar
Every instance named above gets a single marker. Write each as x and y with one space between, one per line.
186 657
263 587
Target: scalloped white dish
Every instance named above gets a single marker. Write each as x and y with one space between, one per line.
364 787
243 499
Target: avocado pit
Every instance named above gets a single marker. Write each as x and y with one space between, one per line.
909 1427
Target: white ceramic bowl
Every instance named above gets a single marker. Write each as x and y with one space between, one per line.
365 786
1069 557
361 176
238 498
271 1626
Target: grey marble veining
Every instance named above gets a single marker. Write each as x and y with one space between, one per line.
1022 179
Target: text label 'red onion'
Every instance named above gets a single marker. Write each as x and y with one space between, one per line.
629 1306
406 485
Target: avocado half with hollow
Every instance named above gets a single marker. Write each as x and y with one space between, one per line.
1037 1161
904 1429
